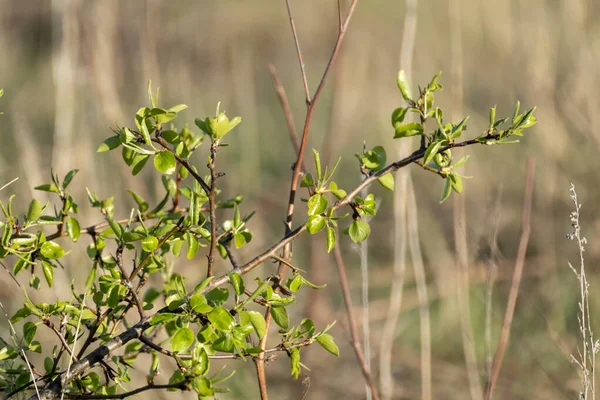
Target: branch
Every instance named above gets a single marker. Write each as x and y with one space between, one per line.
136 331
514 289
355 342
151 386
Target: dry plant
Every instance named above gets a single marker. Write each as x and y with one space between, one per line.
586 355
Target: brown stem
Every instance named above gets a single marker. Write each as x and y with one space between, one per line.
212 209
516 281
355 341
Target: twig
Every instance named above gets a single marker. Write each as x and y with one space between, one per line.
514 289
297 43
355 341
421 280
72 352
212 209
259 361
287 110
151 386
388 335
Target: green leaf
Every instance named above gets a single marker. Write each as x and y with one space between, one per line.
258 322
315 223
317 164
307 180
52 250
410 129
280 316
218 126
49 187
374 159
387 181
317 204
116 227
109 144
192 244
237 282
178 108
431 152
295 362
359 231
447 190
398 116
182 340
200 123
296 283
221 319
165 162
199 304
330 238
149 243
29 330
456 182
142 204
48 272
35 210
73 229
327 342
403 85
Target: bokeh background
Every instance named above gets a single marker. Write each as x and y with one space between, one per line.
73 69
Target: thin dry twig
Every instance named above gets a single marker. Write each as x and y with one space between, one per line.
298 51
421 280
355 341
516 281
259 361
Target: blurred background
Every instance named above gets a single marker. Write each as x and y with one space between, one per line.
71 70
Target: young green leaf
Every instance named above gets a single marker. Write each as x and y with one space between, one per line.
330 239
327 342
73 229
52 250
35 210
403 85
431 152
48 272
280 316
109 144
237 282
165 162
318 164
398 116
258 322
315 223
221 319
387 181
447 190
359 231
29 330
410 129
149 243
69 177
182 340
317 204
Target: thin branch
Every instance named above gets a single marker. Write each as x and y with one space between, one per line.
297 44
212 208
259 361
151 386
421 280
355 341
135 331
285 105
516 281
